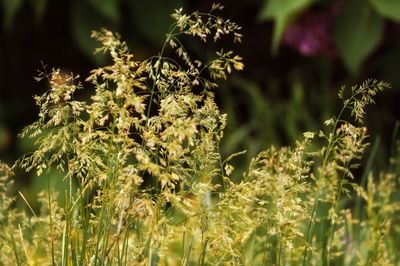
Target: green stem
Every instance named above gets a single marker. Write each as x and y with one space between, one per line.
17 259
331 143
183 241
332 231
51 221
85 223
308 234
279 252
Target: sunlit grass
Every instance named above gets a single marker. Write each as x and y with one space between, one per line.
146 183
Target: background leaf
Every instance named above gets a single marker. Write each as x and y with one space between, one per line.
155 22
107 8
39 7
357 32
282 12
83 21
10 9
387 8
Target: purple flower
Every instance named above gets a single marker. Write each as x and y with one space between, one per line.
311 34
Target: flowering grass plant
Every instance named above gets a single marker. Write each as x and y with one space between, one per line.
147 185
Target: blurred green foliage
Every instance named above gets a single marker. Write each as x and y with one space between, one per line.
357 32
282 13
388 9
10 8
358 29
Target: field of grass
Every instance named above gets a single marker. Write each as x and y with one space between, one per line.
146 184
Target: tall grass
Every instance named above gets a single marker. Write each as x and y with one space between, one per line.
147 185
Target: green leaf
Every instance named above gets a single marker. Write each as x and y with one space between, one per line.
10 9
83 21
152 17
387 8
386 65
39 6
357 32
282 12
107 8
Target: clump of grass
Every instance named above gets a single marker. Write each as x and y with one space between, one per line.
146 183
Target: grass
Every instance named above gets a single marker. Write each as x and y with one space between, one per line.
146 183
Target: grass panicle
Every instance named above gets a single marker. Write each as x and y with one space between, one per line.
146 184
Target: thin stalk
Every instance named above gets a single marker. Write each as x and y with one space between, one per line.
264 258
104 208
14 247
308 235
64 247
99 231
106 235
366 172
109 213
266 246
150 259
203 253
331 142
278 262
66 240
125 252
183 241
85 226
51 221
27 203
329 240
221 166
120 251
332 231
151 243
190 249
154 84
98 236
71 222
202 246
